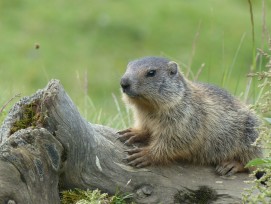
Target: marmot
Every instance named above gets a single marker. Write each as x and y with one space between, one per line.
178 119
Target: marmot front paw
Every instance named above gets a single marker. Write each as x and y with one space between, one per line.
130 136
138 157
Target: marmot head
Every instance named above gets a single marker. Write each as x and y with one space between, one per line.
152 81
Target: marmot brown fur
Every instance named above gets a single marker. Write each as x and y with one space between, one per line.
178 119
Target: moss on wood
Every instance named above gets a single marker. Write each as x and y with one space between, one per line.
31 116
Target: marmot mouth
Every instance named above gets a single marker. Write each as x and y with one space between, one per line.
131 94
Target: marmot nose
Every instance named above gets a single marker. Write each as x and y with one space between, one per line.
125 83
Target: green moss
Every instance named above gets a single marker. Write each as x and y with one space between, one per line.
76 195
79 196
31 116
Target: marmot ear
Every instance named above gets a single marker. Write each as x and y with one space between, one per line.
173 68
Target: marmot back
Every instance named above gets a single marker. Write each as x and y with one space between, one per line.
178 119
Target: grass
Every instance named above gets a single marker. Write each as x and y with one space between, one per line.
94 40
259 193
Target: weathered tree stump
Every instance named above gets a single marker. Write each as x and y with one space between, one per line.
46 147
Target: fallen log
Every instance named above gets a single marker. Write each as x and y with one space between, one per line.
47 147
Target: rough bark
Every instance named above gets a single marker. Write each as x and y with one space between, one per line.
61 150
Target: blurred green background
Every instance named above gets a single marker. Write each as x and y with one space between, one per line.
87 44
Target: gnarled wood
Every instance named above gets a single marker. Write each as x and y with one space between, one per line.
64 151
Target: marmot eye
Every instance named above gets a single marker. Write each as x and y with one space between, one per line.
151 73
